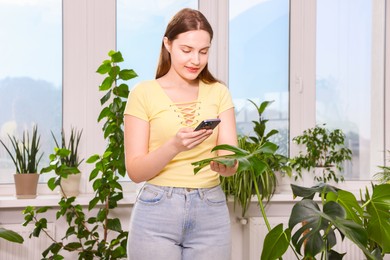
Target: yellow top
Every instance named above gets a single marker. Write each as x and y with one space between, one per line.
149 102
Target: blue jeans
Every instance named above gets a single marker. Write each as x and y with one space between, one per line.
179 224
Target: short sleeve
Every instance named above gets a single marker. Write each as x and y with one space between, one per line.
136 103
226 101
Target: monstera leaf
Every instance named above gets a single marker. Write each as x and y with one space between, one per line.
309 193
315 222
379 220
318 231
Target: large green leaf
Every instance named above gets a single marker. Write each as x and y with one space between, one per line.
11 236
309 193
354 232
349 203
315 223
276 243
379 220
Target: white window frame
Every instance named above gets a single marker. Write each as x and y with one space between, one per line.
89 32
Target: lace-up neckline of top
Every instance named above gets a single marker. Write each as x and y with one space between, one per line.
188 111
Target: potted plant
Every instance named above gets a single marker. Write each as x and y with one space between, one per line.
69 179
98 236
26 158
241 186
366 224
383 176
325 153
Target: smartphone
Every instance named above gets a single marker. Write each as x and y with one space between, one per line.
208 124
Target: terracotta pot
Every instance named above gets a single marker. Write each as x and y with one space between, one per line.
26 185
71 185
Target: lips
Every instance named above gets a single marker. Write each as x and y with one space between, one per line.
192 70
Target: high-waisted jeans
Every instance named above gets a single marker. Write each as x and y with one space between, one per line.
179 224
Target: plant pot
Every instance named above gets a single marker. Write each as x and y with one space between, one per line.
282 183
70 185
26 185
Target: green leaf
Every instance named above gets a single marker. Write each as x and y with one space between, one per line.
354 232
105 97
126 74
93 203
93 158
73 246
236 150
114 224
11 235
106 84
104 68
350 204
276 243
116 56
379 221
43 209
315 222
304 192
122 91
51 183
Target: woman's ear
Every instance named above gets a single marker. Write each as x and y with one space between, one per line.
167 44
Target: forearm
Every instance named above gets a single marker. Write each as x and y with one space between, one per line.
145 167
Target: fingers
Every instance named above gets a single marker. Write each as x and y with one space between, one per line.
187 138
223 169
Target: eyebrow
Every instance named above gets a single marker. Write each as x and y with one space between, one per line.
183 45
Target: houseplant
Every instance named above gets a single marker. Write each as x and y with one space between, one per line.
26 158
366 224
69 179
383 176
325 150
98 236
241 186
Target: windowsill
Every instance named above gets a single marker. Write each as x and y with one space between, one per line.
52 200
129 197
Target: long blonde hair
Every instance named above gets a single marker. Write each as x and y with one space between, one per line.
185 20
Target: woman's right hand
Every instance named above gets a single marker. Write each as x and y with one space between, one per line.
186 138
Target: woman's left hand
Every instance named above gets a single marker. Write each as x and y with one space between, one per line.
222 169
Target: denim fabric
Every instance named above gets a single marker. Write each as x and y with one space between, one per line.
179 224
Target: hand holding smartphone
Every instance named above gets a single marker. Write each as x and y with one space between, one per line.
208 124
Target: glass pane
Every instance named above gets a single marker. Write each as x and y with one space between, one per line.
258 63
345 95
30 74
140 28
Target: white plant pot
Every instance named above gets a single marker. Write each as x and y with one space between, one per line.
71 185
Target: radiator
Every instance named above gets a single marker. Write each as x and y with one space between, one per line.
31 248
257 231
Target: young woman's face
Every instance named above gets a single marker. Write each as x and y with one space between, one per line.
189 53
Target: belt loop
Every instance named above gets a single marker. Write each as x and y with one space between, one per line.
201 193
170 191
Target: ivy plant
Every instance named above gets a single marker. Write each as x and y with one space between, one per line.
87 235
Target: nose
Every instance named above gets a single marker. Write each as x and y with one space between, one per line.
195 58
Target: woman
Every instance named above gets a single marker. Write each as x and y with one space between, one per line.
179 215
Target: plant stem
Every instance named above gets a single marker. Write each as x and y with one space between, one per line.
261 202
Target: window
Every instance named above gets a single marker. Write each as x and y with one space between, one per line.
140 29
350 78
258 63
30 74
